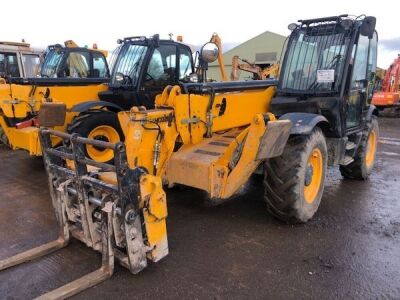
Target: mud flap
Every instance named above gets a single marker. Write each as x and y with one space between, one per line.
273 141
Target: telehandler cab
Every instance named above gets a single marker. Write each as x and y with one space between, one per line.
213 136
18 59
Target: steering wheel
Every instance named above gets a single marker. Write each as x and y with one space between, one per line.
149 77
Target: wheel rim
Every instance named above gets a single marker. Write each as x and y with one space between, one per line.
314 172
371 149
103 133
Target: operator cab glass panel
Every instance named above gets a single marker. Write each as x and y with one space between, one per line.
185 64
128 63
164 68
363 66
74 64
9 65
371 68
100 69
161 70
315 59
51 63
31 63
77 65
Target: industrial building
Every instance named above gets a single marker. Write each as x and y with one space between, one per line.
263 50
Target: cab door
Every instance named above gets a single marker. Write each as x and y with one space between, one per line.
169 64
363 72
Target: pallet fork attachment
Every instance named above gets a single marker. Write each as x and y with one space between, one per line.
105 216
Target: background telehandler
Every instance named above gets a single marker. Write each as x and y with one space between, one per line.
78 81
18 59
213 136
68 74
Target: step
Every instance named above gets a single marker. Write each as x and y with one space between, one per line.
350 145
347 160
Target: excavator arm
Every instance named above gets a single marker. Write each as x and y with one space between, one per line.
258 72
217 40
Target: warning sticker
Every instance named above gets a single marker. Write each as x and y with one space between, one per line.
325 76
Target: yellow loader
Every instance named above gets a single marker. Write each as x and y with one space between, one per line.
68 75
213 136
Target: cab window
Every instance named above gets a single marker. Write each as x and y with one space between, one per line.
31 64
9 64
185 63
51 63
77 65
371 68
161 70
360 62
100 69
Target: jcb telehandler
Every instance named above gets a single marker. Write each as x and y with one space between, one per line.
18 59
69 74
78 80
213 136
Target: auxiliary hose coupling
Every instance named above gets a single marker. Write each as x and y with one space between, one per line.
209 115
157 152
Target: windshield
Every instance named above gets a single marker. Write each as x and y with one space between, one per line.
129 63
50 64
314 60
31 64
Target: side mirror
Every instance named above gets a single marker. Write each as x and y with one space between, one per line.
209 52
368 27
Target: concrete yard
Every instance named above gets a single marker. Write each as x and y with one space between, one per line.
350 250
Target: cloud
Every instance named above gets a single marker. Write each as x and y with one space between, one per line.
391 44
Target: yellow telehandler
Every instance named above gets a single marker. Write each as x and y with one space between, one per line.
79 81
18 59
213 136
69 74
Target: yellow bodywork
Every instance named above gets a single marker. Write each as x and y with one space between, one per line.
202 162
182 142
17 101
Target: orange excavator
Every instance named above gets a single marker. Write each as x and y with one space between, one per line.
258 72
389 95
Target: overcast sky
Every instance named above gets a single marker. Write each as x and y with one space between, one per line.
43 22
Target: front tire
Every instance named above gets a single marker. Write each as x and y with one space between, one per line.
294 181
98 125
364 159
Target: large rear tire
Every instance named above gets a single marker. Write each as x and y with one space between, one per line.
98 125
364 159
294 181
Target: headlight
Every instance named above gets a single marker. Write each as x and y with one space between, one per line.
119 77
194 78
